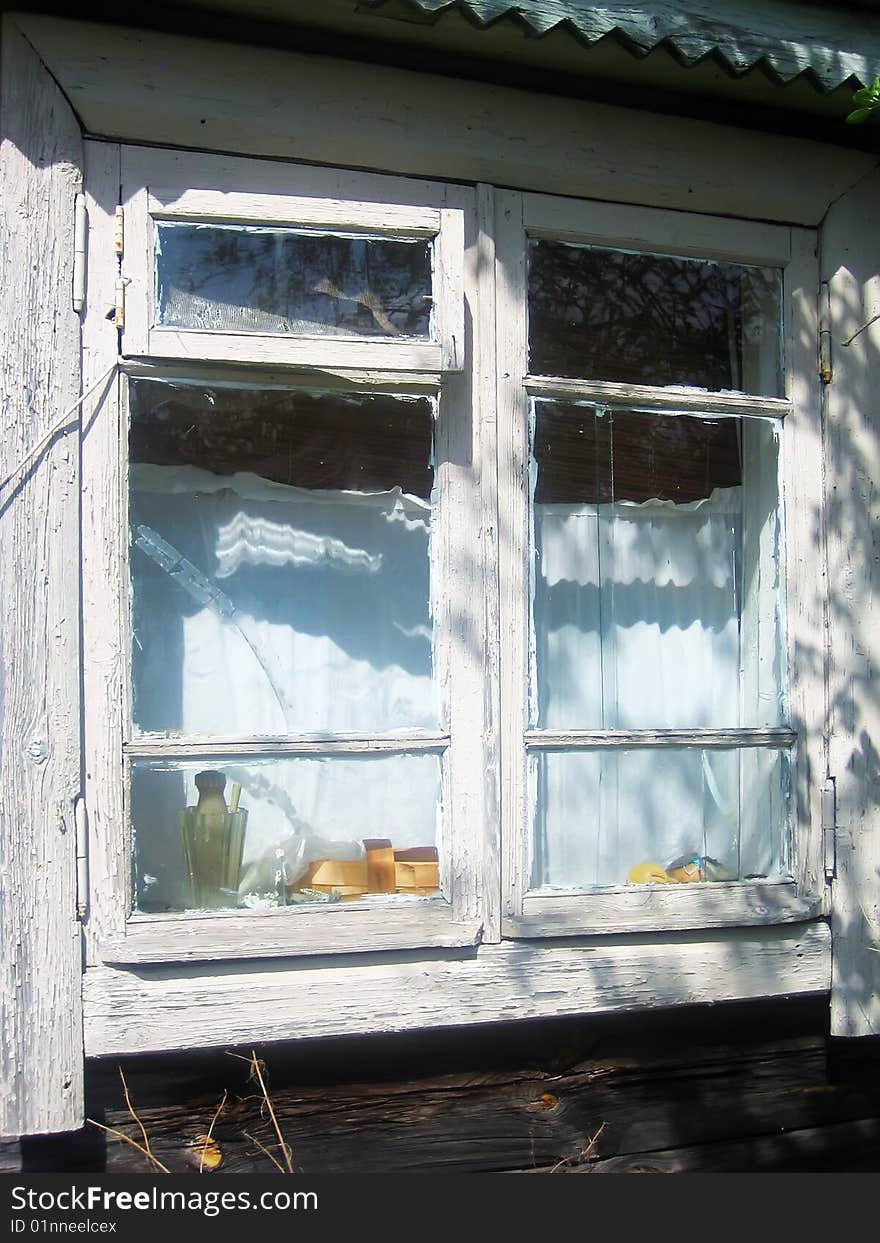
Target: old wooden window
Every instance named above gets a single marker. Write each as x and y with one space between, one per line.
314 593
656 408
292 752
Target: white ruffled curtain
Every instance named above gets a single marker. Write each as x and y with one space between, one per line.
638 611
637 614
265 609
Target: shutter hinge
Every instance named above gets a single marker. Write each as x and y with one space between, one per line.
825 368
829 826
81 822
79 253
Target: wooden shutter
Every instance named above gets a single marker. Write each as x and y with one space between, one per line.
41 1054
851 268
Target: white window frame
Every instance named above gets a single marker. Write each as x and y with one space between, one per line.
454 920
160 187
494 226
646 908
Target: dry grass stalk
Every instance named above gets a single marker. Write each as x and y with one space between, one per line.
131 1110
263 1149
207 1138
205 1142
144 1148
256 1072
587 1153
163 1169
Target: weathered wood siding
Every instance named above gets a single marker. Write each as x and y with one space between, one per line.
142 86
851 266
41 1086
532 1111
743 1087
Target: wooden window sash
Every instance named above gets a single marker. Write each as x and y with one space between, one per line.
453 920
642 909
157 186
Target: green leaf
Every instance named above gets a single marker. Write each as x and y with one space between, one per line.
859 114
868 94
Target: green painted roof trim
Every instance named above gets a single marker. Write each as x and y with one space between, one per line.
788 38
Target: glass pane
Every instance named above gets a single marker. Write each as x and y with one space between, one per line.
244 278
256 833
611 817
280 561
598 314
656 571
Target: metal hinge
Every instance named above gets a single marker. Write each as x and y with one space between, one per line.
81 822
829 826
79 253
825 368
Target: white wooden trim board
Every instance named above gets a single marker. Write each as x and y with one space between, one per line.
216 1007
143 86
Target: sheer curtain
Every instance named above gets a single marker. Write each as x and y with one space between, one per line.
304 610
658 615
637 614
265 609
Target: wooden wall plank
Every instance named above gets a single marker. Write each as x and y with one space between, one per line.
531 1097
462 1129
850 253
845 1147
10 1156
714 1086
40 977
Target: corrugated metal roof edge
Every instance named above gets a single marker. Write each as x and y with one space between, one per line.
787 39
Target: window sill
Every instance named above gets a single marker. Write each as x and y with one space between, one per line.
661 908
201 1006
200 936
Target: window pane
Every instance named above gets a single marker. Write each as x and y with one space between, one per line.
298 831
596 815
280 561
598 314
656 571
244 278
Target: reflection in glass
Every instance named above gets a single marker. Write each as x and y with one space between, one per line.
710 815
246 278
258 833
656 571
598 314
280 560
